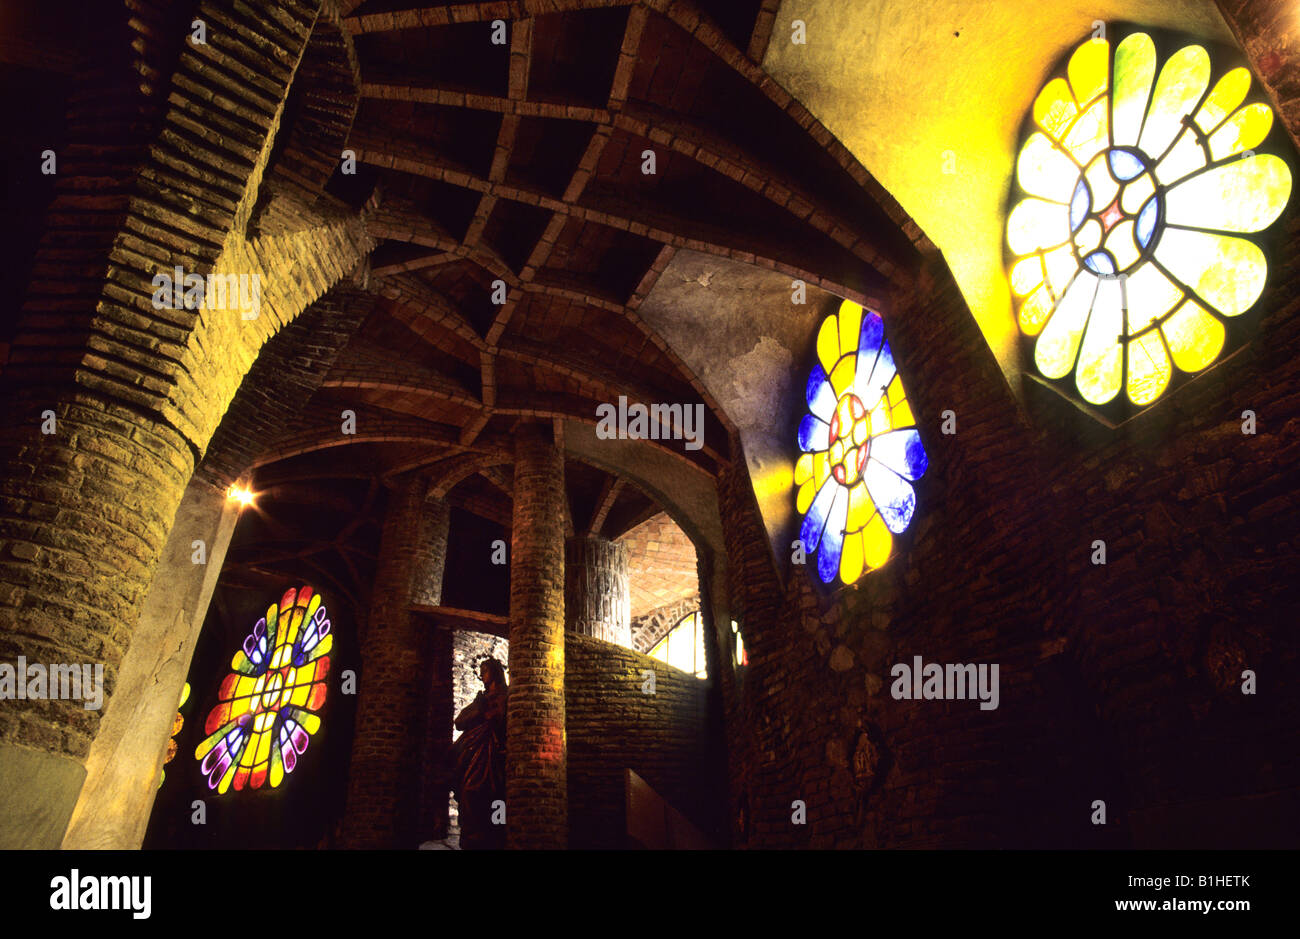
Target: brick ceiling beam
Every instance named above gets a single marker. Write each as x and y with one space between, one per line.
762 34
665 228
604 502
434 259
688 16
417 17
450 97
399 225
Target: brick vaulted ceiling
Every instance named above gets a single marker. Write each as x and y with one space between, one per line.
522 163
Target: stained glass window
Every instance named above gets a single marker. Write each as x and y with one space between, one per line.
1142 181
263 718
177 723
683 646
861 450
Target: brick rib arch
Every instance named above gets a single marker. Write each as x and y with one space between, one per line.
137 392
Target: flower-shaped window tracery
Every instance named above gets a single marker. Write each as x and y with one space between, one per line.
1140 184
861 452
263 719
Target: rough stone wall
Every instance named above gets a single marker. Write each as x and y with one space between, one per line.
613 725
596 589
653 626
1118 682
468 649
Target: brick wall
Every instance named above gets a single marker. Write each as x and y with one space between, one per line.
1118 682
612 725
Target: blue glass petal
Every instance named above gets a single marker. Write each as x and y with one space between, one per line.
814 434
895 498
870 388
819 394
814 523
871 334
828 560
1146 222
1079 203
902 452
1099 262
1125 165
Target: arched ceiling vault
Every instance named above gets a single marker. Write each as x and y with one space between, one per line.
930 96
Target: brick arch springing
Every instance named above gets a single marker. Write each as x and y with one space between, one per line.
137 392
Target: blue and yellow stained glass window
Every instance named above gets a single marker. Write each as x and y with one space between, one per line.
1143 179
861 449
264 716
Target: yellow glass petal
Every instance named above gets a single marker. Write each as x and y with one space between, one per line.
850 323
1136 193
1035 224
1054 108
895 391
1100 370
803 469
1150 295
1044 170
828 344
1245 130
1035 311
1194 336
1135 67
851 558
1061 267
1054 352
1088 236
821 469
1088 69
1228 92
879 418
1181 83
1243 195
1148 368
1121 245
877 542
900 415
1103 185
1226 272
1026 275
1185 157
1090 133
842 374
860 508
309 722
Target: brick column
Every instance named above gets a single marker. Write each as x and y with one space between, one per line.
596 598
383 782
536 779
431 554
426 588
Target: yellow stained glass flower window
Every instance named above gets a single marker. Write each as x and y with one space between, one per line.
861 451
1140 183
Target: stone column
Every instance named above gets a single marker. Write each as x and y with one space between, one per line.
536 778
596 598
431 554
383 783
126 757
